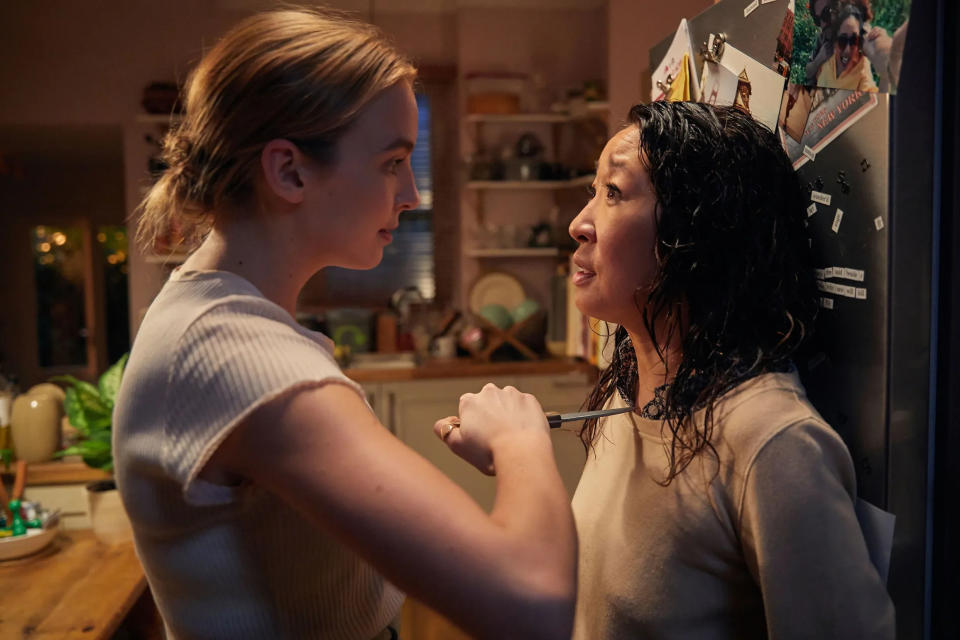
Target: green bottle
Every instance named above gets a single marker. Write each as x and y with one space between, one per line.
18 527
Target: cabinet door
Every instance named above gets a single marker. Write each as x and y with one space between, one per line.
413 407
563 393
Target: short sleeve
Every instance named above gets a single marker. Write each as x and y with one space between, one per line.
802 541
233 358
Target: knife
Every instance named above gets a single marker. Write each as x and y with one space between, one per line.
555 419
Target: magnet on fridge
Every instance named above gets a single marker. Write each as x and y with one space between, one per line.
836 220
821 198
864 165
878 223
842 181
712 48
818 183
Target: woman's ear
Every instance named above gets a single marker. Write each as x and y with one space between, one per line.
282 165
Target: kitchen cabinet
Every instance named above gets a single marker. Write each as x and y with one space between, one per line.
409 409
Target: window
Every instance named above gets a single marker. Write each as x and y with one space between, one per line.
408 260
70 272
112 256
59 270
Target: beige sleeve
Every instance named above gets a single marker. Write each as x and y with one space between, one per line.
803 544
233 358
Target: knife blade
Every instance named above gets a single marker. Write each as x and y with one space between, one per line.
555 419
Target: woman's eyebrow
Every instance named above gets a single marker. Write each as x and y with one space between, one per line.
400 143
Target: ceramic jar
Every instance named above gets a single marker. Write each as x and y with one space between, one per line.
35 425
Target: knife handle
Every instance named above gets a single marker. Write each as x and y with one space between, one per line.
553 419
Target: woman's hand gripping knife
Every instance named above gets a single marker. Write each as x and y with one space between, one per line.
486 416
507 574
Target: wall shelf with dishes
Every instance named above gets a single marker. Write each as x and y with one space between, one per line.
525 175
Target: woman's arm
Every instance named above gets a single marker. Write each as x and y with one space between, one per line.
508 574
803 544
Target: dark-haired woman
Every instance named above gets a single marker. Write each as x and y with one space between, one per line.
723 506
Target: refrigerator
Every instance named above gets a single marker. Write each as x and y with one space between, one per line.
882 366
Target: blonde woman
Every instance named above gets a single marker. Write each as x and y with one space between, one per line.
266 499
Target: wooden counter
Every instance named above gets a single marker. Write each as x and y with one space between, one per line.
77 588
71 470
467 368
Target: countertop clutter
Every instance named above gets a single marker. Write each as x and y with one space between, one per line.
77 588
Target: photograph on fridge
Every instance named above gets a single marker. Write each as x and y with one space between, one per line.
674 78
855 45
739 80
831 112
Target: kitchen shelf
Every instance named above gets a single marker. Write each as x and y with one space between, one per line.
581 181
519 252
537 118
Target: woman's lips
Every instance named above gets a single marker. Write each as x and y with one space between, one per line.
582 277
385 235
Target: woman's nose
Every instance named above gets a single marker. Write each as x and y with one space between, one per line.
408 198
581 228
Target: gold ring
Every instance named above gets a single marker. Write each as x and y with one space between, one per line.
447 430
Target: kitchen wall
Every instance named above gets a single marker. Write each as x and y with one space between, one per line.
69 67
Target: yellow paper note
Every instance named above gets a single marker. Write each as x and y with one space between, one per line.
680 88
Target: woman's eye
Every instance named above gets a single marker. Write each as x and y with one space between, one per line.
613 193
591 192
394 164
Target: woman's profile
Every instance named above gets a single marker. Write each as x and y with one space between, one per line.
266 499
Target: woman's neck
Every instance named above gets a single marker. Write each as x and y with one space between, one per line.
264 255
652 371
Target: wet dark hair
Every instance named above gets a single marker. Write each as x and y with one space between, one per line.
735 281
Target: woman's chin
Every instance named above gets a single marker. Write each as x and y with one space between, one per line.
362 263
591 308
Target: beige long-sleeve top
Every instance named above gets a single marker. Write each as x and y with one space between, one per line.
231 562
763 544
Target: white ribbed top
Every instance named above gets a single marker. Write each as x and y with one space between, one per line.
229 562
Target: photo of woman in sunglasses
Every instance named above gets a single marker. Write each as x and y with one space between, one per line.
848 67
850 44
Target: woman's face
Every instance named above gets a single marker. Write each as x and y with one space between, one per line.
616 231
356 203
847 46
